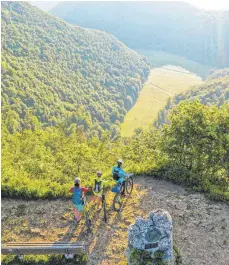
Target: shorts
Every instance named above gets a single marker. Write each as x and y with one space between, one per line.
79 207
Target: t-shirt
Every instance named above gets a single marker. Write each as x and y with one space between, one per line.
120 171
98 186
77 194
82 188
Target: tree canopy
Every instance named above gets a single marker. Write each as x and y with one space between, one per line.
53 72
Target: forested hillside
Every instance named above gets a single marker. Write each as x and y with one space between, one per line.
173 27
192 149
65 92
62 85
214 91
53 73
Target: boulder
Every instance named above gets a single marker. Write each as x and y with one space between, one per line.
151 237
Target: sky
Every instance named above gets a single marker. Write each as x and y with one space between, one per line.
203 4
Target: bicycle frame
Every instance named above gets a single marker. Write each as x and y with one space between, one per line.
123 188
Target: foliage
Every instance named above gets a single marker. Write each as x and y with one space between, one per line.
141 153
215 91
174 27
80 259
43 163
53 73
193 148
177 254
142 257
50 68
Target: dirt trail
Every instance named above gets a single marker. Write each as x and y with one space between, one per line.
201 226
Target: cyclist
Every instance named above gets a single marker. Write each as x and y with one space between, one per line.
77 198
98 189
119 174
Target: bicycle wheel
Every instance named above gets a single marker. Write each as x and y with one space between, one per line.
129 185
87 221
117 202
104 211
104 208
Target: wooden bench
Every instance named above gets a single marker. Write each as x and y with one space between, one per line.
44 248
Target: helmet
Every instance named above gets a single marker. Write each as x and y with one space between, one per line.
99 173
120 162
77 180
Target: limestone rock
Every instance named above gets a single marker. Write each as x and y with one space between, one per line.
152 235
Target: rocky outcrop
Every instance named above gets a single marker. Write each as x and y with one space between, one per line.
152 237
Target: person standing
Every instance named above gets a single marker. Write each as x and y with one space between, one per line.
119 174
77 198
98 189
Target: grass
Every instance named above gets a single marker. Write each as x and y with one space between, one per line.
80 259
159 58
152 98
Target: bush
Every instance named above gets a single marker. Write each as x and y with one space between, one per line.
143 257
79 259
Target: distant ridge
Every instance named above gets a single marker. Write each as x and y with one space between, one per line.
44 5
172 27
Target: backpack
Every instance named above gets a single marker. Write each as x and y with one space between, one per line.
97 187
116 174
77 196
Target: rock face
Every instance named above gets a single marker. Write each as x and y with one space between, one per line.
152 235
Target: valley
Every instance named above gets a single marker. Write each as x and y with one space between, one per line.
173 27
161 58
160 86
86 84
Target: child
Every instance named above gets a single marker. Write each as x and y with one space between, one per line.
98 190
77 198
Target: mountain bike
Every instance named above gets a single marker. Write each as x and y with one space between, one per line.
126 185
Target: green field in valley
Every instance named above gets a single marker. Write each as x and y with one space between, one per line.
161 84
159 58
